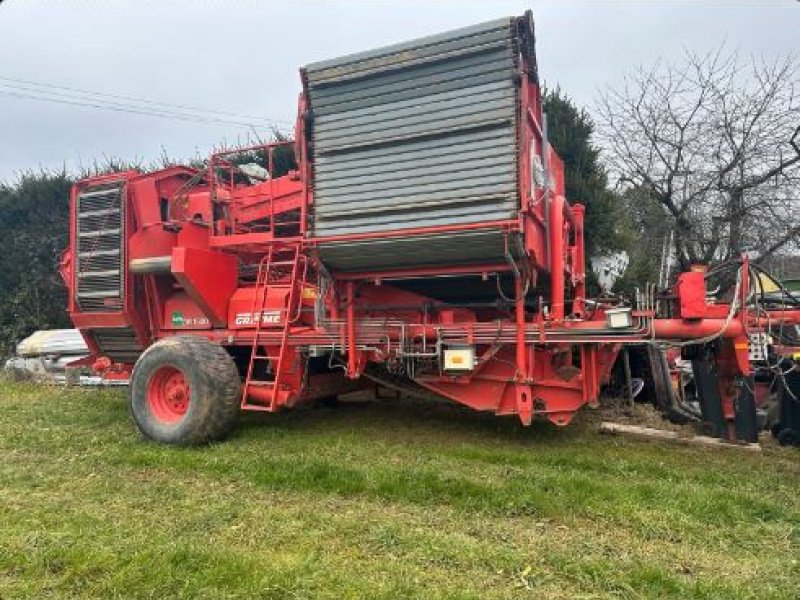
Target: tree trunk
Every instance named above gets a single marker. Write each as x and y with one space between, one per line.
736 216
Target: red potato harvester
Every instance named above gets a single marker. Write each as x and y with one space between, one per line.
414 234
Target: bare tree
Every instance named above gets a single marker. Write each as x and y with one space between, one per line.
715 141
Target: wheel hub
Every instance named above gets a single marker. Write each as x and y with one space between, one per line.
168 394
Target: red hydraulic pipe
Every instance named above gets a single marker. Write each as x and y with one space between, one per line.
579 268
522 363
425 271
507 224
680 329
789 317
557 258
352 363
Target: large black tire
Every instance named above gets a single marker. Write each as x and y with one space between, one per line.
788 437
206 404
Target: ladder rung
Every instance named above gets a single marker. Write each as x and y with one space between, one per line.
257 407
262 357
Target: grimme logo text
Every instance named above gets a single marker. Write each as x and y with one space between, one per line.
268 317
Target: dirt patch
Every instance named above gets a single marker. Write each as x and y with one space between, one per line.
642 414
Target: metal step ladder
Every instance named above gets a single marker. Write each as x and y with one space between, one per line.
283 267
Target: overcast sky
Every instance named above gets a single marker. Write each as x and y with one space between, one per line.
242 57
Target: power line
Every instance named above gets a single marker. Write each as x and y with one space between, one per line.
123 107
77 97
27 93
147 101
128 109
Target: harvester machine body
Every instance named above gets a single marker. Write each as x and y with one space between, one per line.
415 234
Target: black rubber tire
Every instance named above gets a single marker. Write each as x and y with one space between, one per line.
214 385
789 437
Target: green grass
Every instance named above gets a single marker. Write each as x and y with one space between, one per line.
391 500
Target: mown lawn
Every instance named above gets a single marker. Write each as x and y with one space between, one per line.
390 500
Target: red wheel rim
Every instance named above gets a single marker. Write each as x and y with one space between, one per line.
168 394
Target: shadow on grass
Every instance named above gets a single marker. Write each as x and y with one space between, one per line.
420 453
413 421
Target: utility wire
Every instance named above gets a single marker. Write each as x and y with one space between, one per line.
127 109
36 91
147 101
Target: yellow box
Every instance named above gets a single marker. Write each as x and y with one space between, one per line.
459 359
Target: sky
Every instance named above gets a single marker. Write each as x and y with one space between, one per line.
241 58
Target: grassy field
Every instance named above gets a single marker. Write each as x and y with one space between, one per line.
390 500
